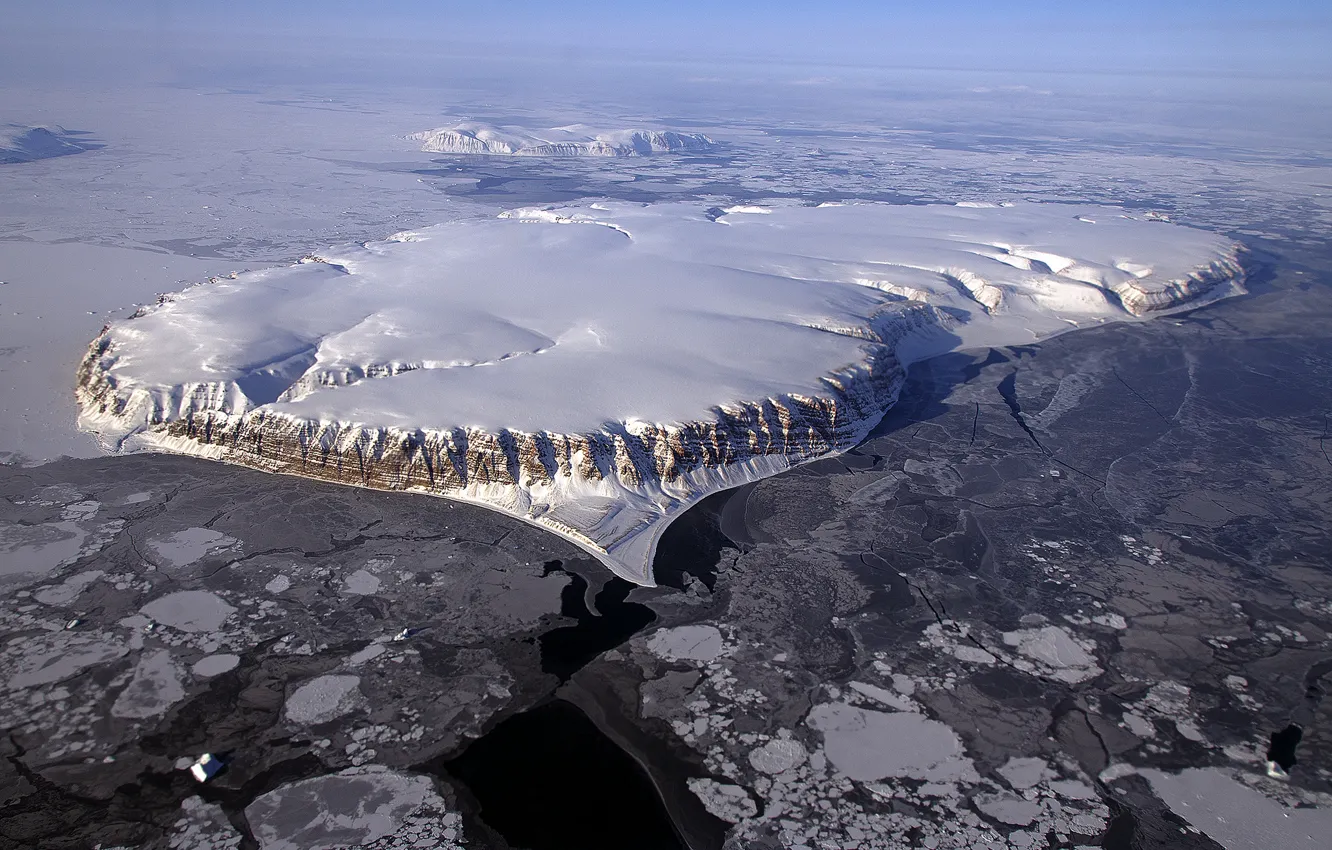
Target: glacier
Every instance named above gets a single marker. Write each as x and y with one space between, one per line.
572 140
597 369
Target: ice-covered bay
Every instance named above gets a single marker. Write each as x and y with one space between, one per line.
52 297
595 370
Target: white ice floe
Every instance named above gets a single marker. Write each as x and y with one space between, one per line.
28 548
1237 815
1058 654
183 548
323 699
278 584
731 803
595 370
215 665
189 610
55 656
871 745
1026 772
778 756
573 140
361 583
351 808
687 643
154 688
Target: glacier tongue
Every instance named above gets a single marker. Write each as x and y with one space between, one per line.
597 369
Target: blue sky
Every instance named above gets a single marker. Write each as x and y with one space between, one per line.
1274 37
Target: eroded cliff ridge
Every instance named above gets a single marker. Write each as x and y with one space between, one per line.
595 370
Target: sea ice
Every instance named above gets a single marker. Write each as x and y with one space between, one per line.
323 699
870 745
691 643
596 370
1057 650
58 655
155 687
731 803
39 548
42 336
1236 815
215 665
361 583
354 807
189 610
185 547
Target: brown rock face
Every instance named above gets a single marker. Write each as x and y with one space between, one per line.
446 460
1141 300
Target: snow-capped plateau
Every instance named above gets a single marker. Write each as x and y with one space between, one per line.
20 143
573 140
596 369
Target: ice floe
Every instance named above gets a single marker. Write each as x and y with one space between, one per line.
354 807
189 610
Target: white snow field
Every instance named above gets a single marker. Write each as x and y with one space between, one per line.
573 140
595 370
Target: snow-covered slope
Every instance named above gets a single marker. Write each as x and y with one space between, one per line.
574 140
596 370
19 143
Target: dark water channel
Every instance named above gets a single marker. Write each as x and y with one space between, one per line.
687 553
1284 743
566 649
548 779
691 546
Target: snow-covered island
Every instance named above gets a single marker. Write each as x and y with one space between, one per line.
573 140
21 143
595 370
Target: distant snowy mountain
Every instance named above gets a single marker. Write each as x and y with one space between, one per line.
19 143
573 140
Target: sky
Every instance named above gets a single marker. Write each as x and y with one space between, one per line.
1275 38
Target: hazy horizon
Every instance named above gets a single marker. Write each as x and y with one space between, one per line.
1276 39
